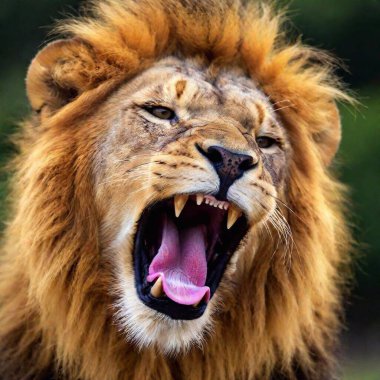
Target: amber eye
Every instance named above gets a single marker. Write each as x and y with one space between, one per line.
265 142
163 113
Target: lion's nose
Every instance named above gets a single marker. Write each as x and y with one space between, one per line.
229 166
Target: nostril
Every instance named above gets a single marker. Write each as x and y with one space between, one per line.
214 155
247 164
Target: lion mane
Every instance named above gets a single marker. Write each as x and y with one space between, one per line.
56 315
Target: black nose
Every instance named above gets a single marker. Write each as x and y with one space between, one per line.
229 166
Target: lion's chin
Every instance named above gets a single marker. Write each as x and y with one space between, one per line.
181 250
146 328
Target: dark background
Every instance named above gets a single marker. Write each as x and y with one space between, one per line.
349 29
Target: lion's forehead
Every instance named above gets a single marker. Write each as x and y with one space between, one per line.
194 86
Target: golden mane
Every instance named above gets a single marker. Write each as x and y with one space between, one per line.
50 267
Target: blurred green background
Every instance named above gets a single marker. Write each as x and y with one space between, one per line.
349 29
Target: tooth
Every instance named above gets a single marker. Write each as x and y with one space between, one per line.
221 206
157 290
179 204
207 201
226 206
233 215
200 198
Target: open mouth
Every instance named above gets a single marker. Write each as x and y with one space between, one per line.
182 248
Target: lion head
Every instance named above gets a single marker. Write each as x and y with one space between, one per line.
174 200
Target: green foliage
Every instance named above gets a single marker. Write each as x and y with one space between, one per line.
364 371
347 28
360 161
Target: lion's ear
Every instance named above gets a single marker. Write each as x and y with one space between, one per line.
328 138
59 73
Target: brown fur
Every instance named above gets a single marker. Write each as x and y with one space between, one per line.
56 313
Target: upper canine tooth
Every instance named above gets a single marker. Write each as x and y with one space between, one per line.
179 203
233 215
200 198
157 290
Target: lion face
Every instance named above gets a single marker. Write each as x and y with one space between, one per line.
192 160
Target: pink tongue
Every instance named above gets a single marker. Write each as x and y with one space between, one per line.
181 263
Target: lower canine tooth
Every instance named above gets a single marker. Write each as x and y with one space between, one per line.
233 215
179 204
157 290
200 198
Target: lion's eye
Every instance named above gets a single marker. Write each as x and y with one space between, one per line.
265 142
163 113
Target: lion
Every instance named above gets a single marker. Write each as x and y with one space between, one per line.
174 212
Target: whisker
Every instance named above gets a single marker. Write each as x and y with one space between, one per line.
281 225
281 229
287 207
282 108
278 226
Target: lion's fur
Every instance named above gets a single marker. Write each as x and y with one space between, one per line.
54 288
